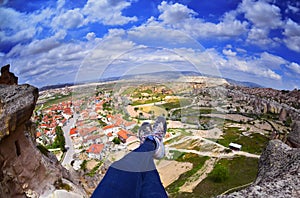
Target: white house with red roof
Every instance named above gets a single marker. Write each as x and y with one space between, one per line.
110 129
95 151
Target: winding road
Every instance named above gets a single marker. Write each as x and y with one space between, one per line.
68 157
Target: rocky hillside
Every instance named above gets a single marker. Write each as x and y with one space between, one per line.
279 170
25 170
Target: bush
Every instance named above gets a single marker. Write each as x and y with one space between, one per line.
83 165
116 140
219 174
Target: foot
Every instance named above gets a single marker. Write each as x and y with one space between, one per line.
157 133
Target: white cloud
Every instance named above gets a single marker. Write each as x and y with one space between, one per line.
106 12
155 35
182 18
69 19
262 14
260 37
20 27
292 35
272 61
90 36
229 52
60 4
293 9
295 67
174 13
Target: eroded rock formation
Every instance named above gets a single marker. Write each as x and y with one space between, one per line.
25 171
294 136
7 77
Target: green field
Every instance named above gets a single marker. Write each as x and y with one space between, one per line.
242 170
197 162
254 143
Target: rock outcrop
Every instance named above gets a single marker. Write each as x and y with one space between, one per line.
278 175
7 77
25 171
294 136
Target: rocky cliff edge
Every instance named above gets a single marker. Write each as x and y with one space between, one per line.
25 171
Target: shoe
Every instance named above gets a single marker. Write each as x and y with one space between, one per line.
144 131
159 132
156 134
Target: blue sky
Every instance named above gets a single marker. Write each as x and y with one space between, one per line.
50 42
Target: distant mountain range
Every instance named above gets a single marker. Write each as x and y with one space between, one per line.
156 75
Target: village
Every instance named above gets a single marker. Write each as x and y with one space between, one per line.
96 133
204 129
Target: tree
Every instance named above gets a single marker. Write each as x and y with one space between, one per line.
116 140
59 141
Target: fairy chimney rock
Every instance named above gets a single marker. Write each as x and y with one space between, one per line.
7 77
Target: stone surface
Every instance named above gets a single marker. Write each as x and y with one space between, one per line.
278 175
25 171
16 106
7 77
294 136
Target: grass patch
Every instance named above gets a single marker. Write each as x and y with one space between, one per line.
197 162
254 143
94 170
242 170
141 102
176 154
56 100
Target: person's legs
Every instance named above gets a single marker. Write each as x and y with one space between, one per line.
135 175
124 177
152 186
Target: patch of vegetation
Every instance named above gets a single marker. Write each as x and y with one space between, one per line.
254 143
176 154
219 174
102 124
62 186
94 170
170 105
57 99
43 149
83 165
116 140
141 102
59 140
242 170
197 162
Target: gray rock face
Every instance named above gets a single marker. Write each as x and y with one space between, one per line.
279 173
294 136
24 170
17 103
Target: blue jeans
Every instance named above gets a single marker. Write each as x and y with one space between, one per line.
133 176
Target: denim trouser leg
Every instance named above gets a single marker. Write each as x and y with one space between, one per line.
135 175
152 186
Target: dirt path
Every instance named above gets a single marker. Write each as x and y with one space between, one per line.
170 170
201 174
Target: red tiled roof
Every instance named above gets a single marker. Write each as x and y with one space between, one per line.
123 134
73 131
108 127
109 134
38 134
95 148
